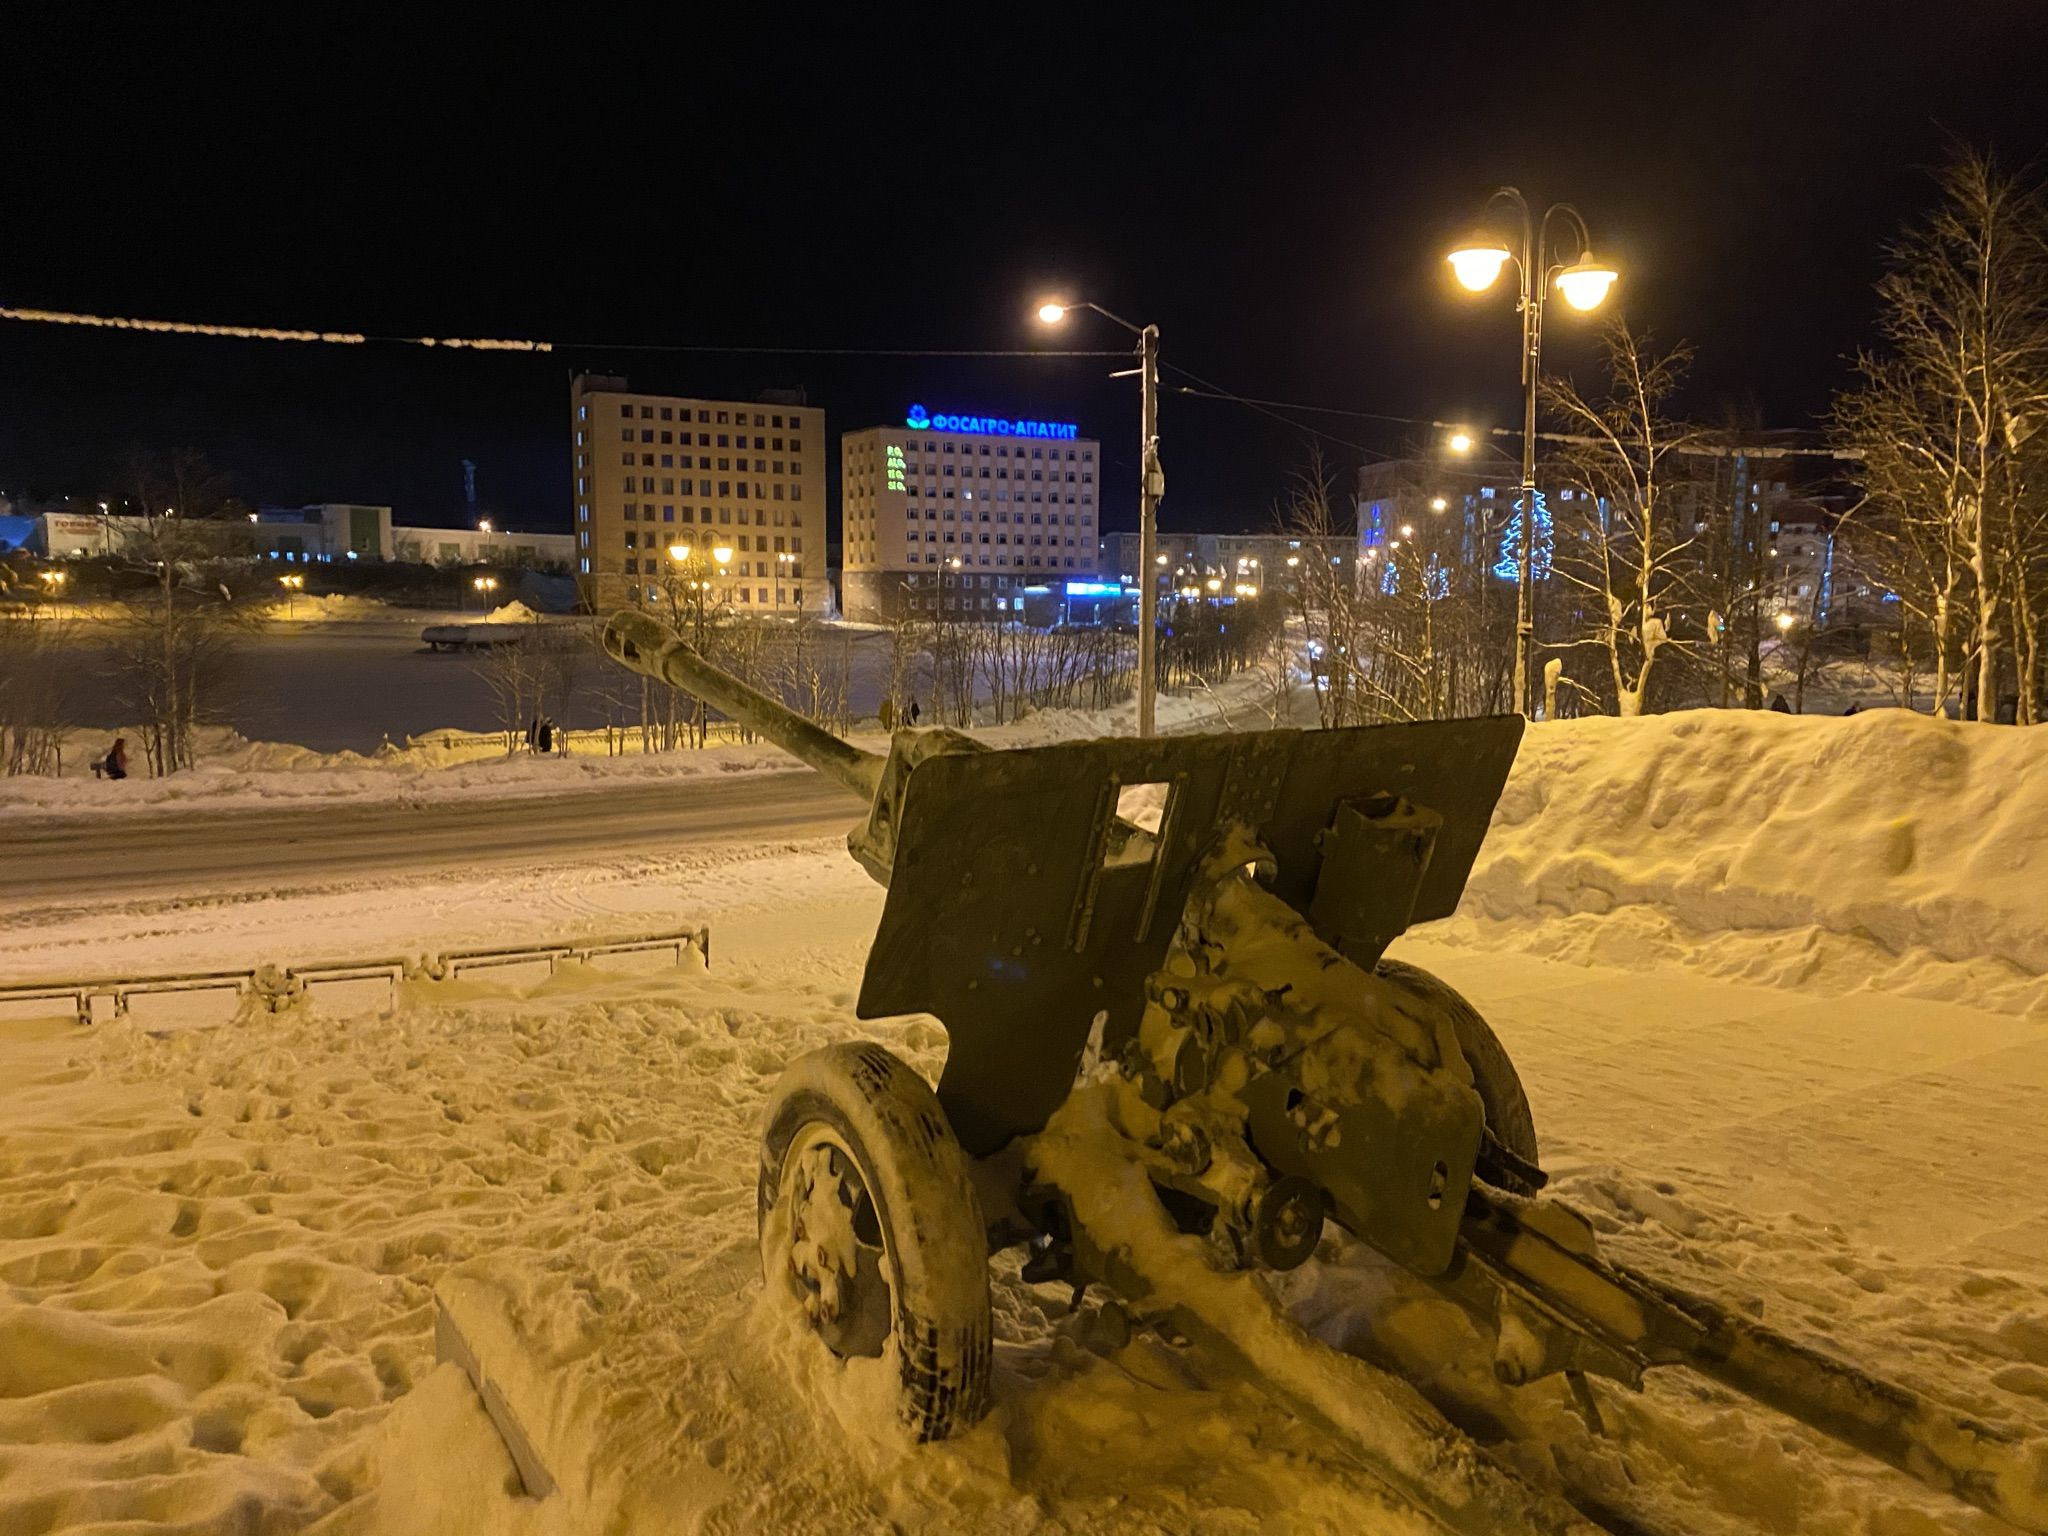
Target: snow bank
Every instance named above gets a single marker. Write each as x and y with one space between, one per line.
1776 847
235 774
330 608
514 612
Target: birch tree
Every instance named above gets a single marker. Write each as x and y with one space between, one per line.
1947 417
1623 535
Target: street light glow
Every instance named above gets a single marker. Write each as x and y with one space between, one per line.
722 554
1785 622
1407 530
679 553
1478 262
1051 313
1461 442
1585 282
1437 504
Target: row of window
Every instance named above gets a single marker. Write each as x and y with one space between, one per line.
753 597
1087 476
932 515
933 557
704 440
743 543
704 461
724 418
1001 539
761 490
1087 499
905 451
639 513
654 565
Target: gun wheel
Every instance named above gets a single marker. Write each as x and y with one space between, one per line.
1508 1120
870 1226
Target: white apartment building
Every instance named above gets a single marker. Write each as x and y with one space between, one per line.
653 473
951 516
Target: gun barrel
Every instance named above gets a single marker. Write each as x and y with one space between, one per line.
644 644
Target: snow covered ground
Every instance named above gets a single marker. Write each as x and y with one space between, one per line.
218 1244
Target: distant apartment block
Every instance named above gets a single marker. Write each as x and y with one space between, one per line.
655 473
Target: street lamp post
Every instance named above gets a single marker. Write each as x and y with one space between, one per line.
1151 486
1584 282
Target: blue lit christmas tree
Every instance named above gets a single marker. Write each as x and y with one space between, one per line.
1508 567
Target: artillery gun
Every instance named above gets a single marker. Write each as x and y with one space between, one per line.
1201 923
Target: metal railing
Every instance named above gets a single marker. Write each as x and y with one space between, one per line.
274 988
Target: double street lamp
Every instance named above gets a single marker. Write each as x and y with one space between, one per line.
1151 486
1583 283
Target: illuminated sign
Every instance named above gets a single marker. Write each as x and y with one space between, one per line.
892 468
989 426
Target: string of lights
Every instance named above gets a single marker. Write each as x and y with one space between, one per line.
500 344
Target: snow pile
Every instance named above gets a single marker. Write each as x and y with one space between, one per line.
236 774
329 608
514 612
1884 848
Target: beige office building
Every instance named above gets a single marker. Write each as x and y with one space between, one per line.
953 516
654 472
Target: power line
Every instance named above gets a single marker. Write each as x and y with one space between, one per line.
1218 392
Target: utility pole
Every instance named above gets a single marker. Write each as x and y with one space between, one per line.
1525 574
1152 485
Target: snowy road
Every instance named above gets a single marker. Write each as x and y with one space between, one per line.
291 846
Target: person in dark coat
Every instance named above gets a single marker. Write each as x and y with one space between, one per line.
1778 704
913 712
115 764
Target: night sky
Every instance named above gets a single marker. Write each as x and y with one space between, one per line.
1274 190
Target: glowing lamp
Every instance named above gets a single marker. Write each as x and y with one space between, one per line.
1477 263
1052 314
1585 282
1461 442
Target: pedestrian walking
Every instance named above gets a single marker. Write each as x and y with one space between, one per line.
115 764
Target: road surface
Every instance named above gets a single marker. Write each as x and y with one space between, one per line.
171 854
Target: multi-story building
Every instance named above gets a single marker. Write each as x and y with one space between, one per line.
951 516
1468 510
659 472
1266 561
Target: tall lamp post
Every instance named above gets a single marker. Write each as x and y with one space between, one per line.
1151 486
1477 262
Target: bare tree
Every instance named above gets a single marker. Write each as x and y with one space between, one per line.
1947 416
174 653
1620 540
36 686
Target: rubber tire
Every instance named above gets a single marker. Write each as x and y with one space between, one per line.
1493 1072
888 1119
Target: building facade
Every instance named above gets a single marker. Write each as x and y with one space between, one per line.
652 473
1263 561
485 546
953 516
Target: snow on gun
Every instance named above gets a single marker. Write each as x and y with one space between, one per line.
1269 1070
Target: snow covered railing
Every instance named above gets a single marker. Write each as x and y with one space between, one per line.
275 988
